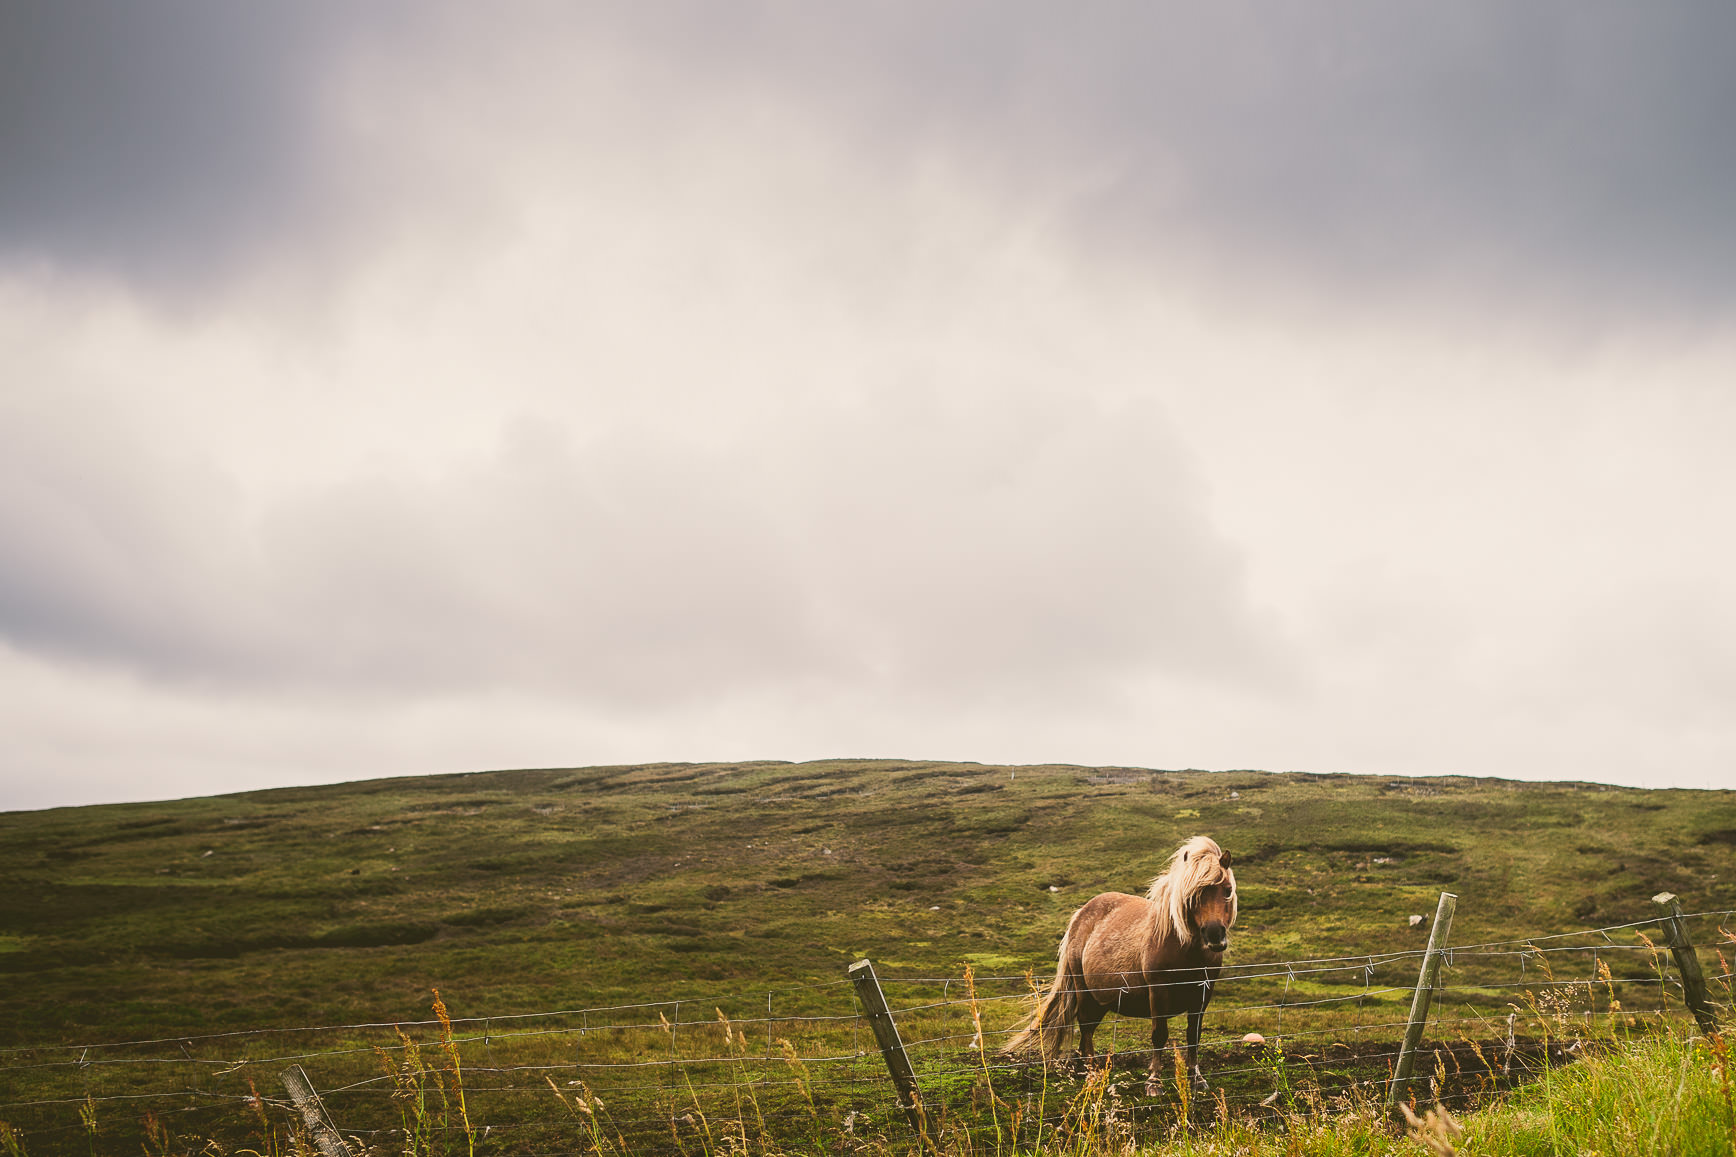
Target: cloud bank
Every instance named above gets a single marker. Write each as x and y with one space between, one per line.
428 389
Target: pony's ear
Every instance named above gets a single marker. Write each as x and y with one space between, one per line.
1224 859
1184 857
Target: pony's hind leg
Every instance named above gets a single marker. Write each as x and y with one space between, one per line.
1091 1015
1159 1041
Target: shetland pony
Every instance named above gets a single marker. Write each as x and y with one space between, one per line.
1154 957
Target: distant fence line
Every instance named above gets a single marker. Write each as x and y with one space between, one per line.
638 1046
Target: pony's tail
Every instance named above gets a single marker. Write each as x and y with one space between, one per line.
1046 1031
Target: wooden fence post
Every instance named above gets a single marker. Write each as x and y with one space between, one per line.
891 1048
1687 962
1419 1014
313 1113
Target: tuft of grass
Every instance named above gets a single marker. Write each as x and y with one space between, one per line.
432 1109
455 1082
1660 1094
588 1108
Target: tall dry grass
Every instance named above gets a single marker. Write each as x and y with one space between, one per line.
1606 1081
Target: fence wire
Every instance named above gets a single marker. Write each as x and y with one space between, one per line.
798 1062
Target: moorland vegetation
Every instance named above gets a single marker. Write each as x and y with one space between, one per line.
744 891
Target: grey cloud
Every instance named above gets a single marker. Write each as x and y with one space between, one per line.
166 143
1554 152
1040 550
1559 153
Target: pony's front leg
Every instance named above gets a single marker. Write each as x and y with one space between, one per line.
1159 1041
1195 1021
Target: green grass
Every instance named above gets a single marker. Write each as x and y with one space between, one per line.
1656 1095
1661 1095
529 891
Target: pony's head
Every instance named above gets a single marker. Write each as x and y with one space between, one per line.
1196 895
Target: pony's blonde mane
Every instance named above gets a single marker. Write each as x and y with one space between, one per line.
1196 864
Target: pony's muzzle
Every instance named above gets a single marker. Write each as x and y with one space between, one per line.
1215 935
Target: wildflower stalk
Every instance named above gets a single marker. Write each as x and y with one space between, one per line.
976 1019
450 1047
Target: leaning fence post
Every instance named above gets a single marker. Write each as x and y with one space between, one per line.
1419 1014
313 1113
891 1048
1687 962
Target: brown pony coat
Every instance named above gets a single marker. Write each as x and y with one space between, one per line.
1154 956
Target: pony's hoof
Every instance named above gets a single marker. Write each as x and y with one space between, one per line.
1200 1087
1153 1087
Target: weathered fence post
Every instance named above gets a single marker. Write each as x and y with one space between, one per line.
313 1113
1419 1014
1687 962
891 1048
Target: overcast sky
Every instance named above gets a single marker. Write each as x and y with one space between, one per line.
415 387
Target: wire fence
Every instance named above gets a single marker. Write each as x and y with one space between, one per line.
798 1063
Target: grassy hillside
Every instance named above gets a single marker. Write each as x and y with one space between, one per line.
524 891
